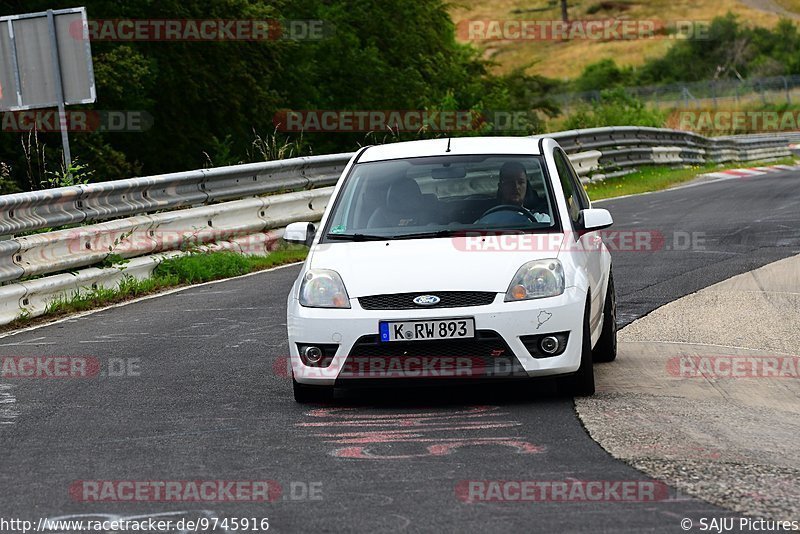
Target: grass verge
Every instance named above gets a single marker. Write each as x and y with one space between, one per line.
194 268
658 178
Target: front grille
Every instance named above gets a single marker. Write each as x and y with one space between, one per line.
405 301
486 355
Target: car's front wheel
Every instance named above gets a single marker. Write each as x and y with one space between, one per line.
605 350
581 384
305 394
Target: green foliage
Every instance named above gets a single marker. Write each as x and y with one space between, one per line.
76 174
604 74
521 92
615 107
126 76
730 50
114 260
274 146
221 153
205 266
7 185
94 297
200 267
725 53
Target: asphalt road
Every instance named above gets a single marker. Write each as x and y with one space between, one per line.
204 396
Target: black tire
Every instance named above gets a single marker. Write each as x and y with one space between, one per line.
305 394
605 350
581 384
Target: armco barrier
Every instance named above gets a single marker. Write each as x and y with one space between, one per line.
585 162
40 292
51 208
33 297
220 209
130 237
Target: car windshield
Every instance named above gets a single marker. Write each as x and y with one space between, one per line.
442 195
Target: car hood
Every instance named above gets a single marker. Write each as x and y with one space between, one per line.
441 264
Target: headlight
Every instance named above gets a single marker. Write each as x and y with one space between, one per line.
537 279
323 288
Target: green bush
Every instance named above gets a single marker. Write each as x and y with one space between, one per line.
724 49
615 107
604 74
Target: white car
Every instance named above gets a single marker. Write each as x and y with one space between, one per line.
452 260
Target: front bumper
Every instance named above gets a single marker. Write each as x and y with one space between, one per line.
508 320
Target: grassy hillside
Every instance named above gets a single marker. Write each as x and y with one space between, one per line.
566 59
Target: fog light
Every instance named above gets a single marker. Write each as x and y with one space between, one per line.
549 344
313 354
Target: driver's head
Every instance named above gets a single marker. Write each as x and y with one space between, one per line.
513 183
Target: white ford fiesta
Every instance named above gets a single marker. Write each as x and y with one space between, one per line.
453 260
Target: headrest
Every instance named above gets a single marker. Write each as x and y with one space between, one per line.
402 193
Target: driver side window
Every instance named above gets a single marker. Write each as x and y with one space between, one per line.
567 184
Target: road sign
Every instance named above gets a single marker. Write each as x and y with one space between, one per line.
43 63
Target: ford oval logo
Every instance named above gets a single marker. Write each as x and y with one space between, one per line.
427 300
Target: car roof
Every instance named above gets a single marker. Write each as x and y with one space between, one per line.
459 146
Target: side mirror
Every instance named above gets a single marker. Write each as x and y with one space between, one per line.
595 219
300 233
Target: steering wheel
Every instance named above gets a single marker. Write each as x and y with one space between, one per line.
510 207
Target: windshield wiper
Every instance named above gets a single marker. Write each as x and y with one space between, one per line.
358 237
437 233
371 237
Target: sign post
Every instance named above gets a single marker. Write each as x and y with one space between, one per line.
59 89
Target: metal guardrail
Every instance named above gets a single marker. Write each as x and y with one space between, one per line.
200 208
52 208
130 237
626 147
138 244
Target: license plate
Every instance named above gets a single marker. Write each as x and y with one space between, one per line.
420 330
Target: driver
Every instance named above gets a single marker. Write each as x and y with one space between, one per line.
513 184
512 189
